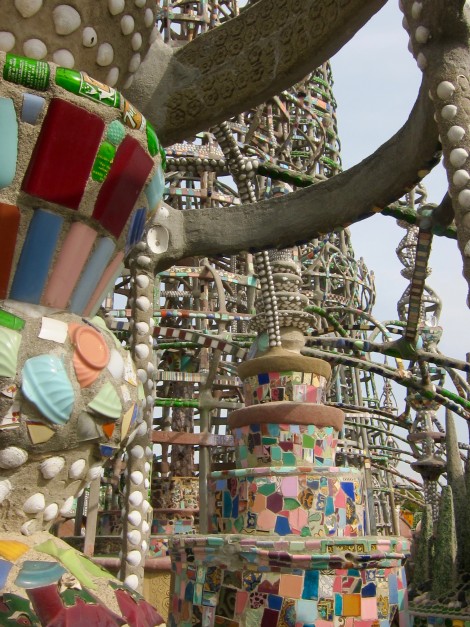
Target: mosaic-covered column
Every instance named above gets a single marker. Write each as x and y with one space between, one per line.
288 544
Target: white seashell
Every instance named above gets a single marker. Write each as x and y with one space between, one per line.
142 303
466 251
142 281
422 34
66 19
140 3
154 35
455 133
64 58
142 328
116 364
137 477
89 37
136 41
50 512
146 506
445 90
135 498
134 558
416 9
421 61
29 527
127 24
116 6
51 467
146 484
461 178
137 452
105 54
142 430
112 76
129 82
144 261
144 546
35 504
142 351
131 438
5 489
464 198
77 468
158 239
27 8
94 472
134 537
67 507
7 41
147 467
35 48
132 581
149 19
135 62
148 450
449 112
145 527
134 517
458 157
12 457
142 375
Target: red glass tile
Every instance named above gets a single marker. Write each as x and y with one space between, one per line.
9 222
122 187
64 154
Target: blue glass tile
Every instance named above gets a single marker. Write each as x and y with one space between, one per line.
235 507
338 604
5 568
330 506
274 602
282 526
369 590
227 505
263 378
9 135
36 256
92 274
393 588
311 583
348 488
136 228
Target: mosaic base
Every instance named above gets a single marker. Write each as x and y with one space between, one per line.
299 501
301 387
286 583
274 444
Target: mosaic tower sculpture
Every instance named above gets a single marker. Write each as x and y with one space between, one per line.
289 544
81 174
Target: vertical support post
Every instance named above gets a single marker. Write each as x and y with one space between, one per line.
92 517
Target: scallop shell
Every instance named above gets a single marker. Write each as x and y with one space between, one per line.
94 472
107 402
46 384
12 457
137 477
134 558
35 504
51 467
77 468
5 489
67 507
134 536
134 517
50 512
9 346
135 498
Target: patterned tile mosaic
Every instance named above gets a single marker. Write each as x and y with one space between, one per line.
301 387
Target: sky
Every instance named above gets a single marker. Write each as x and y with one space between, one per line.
376 82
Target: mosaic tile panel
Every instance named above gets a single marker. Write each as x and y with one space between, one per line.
286 596
287 501
301 387
266 445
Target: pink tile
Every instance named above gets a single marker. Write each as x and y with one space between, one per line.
266 520
369 608
289 486
241 601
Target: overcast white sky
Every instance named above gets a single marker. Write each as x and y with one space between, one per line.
376 84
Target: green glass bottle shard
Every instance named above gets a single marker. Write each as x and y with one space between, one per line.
103 161
27 72
10 321
83 85
152 140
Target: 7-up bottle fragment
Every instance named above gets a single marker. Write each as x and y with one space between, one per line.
27 72
83 85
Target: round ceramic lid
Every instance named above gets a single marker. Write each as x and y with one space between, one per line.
91 347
